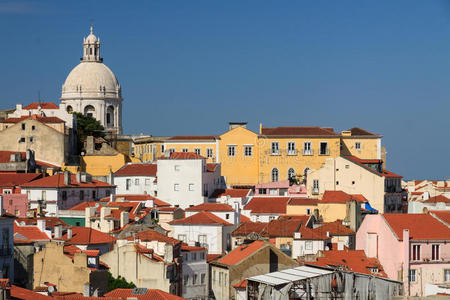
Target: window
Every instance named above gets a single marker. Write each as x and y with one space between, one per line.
31 139
214 275
194 279
176 187
93 194
275 148
81 195
197 151
307 148
412 275
7 192
44 195
194 256
220 277
202 255
186 279
209 152
22 140
416 252
23 126
202 239
357 145
435 252
33 127
274 174
176 168
323 148
147 181
227 216
191 187
248 150
308 211
136 181
185 150
337 182
64 195
308 245
291 148
162 148
263 191
202 278
171 150
182 237
231 151
291 173
316 186
447 275
128 184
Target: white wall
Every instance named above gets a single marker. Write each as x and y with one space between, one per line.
220 214
299 247
146 185
214 237
190 267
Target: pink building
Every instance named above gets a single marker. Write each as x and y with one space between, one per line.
16 204
413 248
280 188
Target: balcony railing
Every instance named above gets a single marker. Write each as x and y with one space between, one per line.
308 152
292 152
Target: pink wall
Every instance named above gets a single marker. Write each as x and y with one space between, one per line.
13 202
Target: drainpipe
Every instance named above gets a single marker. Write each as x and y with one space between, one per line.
406 259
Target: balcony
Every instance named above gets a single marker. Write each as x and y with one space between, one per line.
308 152
292 152
275 153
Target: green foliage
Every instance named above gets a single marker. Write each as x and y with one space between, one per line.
86 126
118 283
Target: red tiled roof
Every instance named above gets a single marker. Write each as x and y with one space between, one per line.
82 206
88 236
127 206
212 257
421 226
442 215
313 234
185 155
341 197
5 156
35 117
201 218
439 198
241 284
267 205
211 207
241 252
188 248
233 193
362 162
298 131
152 235
211 167
43 105
137 197
245 219
152 294
21 293
250 227
134 169
4 283
31 233
192 137
350 260
302 201
58 181
336 228
360 132
49 221
285 226
15 179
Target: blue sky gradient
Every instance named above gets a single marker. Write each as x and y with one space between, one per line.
189 67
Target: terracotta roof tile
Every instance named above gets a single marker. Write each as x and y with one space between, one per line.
43 105
136 197
188 248
439 198
211 207
212 257
211 167
21 293
340 197
250 227
313 234
336 228
35 117
233 193
350 260
302 201
82 206
362 163
421 226
58 181
151 294
442 215
152 235
49 221
16 179
201 218
241 284
360 132
31 233
298 131
241 252
88 236
184 155
268 205
137 169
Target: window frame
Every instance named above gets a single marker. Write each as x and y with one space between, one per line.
291 150
231 150
248 150
327 150
275 148
273 176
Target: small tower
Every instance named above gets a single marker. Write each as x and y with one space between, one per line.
91 48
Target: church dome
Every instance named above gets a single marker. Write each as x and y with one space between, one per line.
91 80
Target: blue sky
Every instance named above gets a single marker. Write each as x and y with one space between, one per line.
190 67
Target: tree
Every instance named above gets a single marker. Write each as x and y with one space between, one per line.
118 283
86 126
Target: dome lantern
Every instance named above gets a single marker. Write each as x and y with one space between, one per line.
91 48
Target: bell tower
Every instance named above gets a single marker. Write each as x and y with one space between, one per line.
91 48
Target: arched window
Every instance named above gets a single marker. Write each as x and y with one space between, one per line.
90 51
291 173
89 111
274 174
69 109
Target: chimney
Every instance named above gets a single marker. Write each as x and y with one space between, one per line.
237 214
328 234
67 176
426 195
41 225
260 128
346 133
111 177
69 233
123 219
86 290
18 106
111 197
297 235
104 211
78 177
58 231
340 245
233 125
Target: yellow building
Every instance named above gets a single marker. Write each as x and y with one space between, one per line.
239 155
361 143
204 145
288 151
149 149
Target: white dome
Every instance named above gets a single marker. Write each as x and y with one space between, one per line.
91 80
91 39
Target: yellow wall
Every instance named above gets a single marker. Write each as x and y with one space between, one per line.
239 169
331 212
144 151
300 209
298 161
102 165
191 146
370 147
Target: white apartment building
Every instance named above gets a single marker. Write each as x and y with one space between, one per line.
136 178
